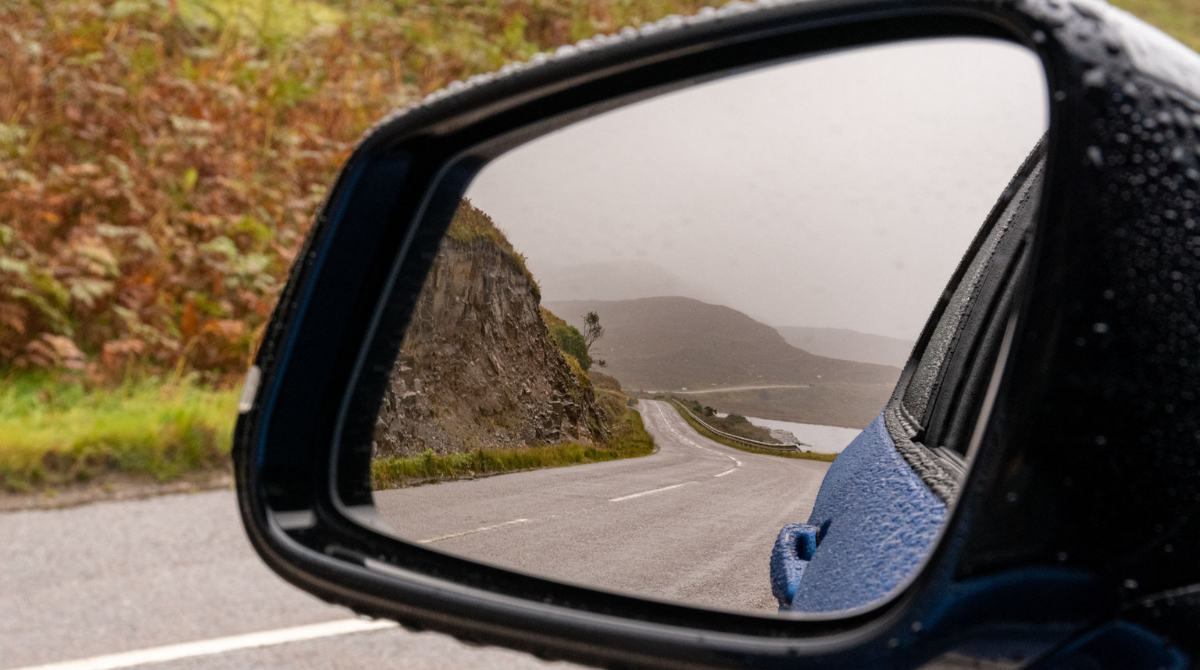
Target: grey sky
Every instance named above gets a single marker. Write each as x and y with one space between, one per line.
838 190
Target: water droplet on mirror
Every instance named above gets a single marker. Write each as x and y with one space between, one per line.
1096 156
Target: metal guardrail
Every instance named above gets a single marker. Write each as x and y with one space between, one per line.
737 438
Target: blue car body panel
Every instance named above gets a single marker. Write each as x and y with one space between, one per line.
875 520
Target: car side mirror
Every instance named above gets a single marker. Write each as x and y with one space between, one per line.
450 426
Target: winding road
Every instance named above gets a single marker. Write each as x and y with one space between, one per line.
171 582
694 522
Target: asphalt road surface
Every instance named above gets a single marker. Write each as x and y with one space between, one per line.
171 582
144 576
694 522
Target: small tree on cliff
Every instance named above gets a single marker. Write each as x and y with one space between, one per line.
592 331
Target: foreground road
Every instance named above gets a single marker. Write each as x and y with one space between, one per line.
138 576
694 522
130 576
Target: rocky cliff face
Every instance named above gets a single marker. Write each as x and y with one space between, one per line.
478 368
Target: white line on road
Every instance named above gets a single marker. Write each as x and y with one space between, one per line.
730 389
726 472
646 493
683 437
439 538
220 645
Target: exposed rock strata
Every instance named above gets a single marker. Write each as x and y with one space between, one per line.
478 367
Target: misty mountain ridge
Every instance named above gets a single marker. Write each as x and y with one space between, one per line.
670 343
615 280
850 345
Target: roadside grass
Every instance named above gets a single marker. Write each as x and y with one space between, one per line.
805 455
629 440
471 224
55 432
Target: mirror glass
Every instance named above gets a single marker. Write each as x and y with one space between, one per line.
662 351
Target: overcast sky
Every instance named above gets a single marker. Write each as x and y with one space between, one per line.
837 191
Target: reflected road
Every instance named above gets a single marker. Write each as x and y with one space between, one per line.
693 522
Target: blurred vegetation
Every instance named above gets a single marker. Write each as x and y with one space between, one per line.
160 163
1178 18
160 160
56 432
629 440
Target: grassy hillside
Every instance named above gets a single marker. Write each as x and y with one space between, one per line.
672 343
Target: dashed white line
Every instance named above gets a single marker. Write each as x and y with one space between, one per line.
684 438
439 538
726 472
220 645
646 493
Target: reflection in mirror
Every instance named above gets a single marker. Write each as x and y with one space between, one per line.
647 336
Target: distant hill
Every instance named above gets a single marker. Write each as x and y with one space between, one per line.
614 280
850 345
671 343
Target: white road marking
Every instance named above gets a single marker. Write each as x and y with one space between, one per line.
220 645
439 538
726 472
684 438
646 493
733 389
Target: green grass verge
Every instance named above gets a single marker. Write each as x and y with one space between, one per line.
55 432
806 455
629 440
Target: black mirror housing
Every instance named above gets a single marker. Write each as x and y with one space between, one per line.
1080 519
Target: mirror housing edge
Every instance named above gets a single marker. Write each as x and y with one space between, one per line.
1000 566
